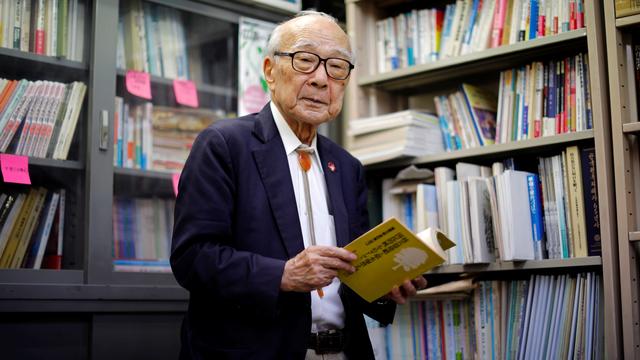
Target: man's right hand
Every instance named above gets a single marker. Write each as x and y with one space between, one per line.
315 267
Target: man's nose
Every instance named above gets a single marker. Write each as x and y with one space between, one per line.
319 77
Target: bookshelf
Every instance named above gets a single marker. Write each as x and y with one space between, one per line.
627 21
406 79
12 56
622 42
491 151
373 93
87 300
510 266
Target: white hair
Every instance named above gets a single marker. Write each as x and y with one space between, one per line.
275 39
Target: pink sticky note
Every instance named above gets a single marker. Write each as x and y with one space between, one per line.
138 84
186 92
175 178
15 169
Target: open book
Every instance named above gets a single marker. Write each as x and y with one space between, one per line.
389 254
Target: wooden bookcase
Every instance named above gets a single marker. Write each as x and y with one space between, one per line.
371 93
620 34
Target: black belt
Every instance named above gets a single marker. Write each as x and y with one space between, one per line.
327 342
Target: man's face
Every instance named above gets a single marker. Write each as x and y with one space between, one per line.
312 98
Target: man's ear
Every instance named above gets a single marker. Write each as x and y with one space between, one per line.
268 67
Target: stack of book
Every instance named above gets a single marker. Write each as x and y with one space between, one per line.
544 317
404 133
151 38
31 228
39 118
483 213
421 36
544 99
156 137
508 212
627 7
142 234
52 28
467 117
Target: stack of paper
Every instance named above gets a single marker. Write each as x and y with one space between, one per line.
404 133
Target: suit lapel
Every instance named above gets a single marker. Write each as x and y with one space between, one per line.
334 188
273 167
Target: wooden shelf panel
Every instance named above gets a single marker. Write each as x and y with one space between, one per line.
503 57
486 151
43 276
591 261
202 88
634 236
631 128
625 21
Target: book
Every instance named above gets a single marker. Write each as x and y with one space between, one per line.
627 7
389 254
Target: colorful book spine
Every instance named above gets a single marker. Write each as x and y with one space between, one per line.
535 206
591 207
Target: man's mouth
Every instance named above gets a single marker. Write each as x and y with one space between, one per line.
314 101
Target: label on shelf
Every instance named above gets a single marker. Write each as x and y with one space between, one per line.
15 169
139 84
175 179
186 92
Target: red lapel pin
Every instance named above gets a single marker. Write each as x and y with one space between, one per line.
331 166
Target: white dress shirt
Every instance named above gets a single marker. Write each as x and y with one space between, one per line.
327 312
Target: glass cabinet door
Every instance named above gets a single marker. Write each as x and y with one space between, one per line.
44 78
177 51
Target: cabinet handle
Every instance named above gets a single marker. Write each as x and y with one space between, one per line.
104 130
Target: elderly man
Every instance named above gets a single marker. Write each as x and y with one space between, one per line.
265 206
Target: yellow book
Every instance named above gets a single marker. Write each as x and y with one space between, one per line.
17 230
32 220
389 254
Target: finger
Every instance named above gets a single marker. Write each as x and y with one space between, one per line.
396 295
317 257
337 264
336 252
419 283
321 276
408 289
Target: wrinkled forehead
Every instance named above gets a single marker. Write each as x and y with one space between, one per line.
324 50
322 37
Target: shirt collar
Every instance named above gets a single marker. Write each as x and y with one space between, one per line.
289 139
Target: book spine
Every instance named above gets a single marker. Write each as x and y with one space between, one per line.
17 23
576 201
591 210
535 207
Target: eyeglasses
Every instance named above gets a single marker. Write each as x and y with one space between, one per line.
306 63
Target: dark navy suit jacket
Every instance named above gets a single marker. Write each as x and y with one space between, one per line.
236 224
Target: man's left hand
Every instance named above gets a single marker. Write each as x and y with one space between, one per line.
400 294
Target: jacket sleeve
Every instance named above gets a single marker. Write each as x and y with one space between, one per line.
383 311
203 257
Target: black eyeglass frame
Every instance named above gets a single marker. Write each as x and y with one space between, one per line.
321 60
